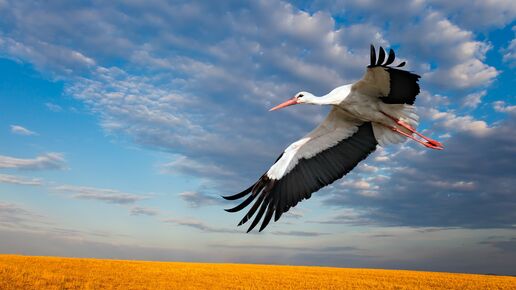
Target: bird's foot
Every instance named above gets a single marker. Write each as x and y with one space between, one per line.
430 143
433 144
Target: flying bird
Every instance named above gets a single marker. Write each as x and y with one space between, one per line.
376 110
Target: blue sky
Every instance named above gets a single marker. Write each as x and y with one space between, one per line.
122 123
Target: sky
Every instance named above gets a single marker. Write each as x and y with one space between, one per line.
122 123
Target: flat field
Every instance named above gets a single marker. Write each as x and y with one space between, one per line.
32 272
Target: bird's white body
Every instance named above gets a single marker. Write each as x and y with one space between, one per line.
377 110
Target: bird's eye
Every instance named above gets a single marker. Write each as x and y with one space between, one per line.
300 95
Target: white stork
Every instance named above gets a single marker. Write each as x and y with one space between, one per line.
378 109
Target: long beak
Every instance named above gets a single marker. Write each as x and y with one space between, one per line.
290 102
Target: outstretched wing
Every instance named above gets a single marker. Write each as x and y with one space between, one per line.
323 156
390 84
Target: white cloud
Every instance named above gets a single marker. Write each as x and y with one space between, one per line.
50 160
509 53
358 184
478 13
465 123
459 56
501 106
468 74
19 130
474 99
361 186
364 167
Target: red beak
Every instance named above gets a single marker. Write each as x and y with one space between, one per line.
290 102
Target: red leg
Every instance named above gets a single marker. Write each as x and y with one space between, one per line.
430 143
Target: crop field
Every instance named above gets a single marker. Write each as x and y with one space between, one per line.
30 272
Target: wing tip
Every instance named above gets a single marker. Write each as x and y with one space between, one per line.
238 195
226 197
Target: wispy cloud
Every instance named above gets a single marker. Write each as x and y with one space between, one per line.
505 245
45 161
295 213
322 249
20 180
198 199
107 195
19 130
140 210
196 224
299 233
53 107
16 217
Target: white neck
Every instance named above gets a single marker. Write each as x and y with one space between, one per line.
334 97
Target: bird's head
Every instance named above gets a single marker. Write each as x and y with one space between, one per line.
299 98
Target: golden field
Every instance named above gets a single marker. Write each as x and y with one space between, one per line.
30 272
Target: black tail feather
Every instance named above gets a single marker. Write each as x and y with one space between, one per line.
381 56
373 55
391 57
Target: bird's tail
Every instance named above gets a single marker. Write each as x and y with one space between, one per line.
402 112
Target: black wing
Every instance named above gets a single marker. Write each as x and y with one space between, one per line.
274 197
403 85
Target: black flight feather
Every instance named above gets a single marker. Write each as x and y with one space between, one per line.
246 202
259 214
268 216
253 209
381 56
